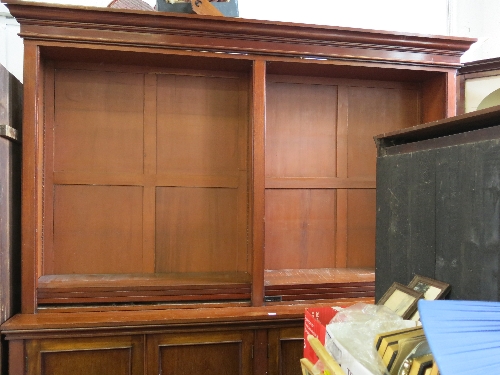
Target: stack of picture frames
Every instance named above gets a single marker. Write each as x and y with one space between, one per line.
403 299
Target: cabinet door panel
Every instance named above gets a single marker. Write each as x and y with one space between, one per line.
88 356
286 348
201 353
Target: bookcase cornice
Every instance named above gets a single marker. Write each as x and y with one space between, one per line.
233 35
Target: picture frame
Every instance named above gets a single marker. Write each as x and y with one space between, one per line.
401 299
432 289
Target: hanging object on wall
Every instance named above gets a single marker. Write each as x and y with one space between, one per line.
490 100
228 8
130 4
205 7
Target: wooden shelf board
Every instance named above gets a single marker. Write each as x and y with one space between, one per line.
147 281
316 277
142 288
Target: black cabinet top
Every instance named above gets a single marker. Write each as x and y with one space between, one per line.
469 127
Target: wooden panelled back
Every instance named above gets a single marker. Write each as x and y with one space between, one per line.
145 172
320 167
148 169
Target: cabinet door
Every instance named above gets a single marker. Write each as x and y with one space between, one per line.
122 355
207 353
286 348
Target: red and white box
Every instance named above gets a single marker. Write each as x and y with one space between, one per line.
315 321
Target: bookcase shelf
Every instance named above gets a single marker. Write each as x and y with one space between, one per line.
142 288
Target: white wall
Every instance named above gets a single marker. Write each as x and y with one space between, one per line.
11 45
478 18
421 16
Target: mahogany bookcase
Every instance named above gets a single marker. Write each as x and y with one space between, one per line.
191 183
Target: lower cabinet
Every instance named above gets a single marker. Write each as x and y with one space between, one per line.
239 351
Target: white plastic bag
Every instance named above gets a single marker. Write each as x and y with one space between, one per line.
355 328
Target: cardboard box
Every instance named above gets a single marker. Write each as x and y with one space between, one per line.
315 321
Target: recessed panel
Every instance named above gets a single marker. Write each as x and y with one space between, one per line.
67 354
97 229
87 362
197 230
361 228
301 126
374 111
199 122
98 121
201 358
300 228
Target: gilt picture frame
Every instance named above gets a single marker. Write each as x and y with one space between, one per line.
432 289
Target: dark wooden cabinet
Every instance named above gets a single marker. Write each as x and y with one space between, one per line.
180 351
11 91
220 352
212 166
162 342
436 205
